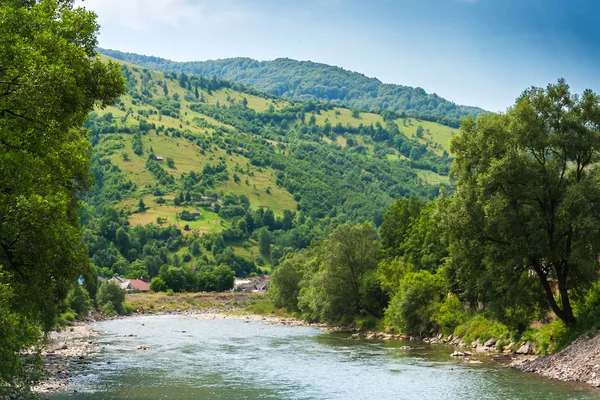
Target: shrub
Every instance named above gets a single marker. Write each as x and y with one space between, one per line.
449 315
110 292
79 301
481 328
69 317
416 301
158 285
547 338
108 309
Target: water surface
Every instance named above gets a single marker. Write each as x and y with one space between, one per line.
231 359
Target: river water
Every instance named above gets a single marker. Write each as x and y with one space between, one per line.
231 359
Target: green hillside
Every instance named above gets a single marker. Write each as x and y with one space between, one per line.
310 81
200 172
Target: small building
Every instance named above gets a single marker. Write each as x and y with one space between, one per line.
196 213
131 285
251 284
158 158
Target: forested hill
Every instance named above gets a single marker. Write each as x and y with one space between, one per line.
201 172
306 80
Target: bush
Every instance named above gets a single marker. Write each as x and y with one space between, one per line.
79 301
265 307
415 303
449 315
158 285
69 317
108 309
547 338
128 308
481 328
110 292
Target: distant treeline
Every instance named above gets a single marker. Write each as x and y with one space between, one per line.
306 80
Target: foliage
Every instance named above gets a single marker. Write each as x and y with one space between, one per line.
479 327
50 78
341 284
265 307
548 338
79 301
527 199
158 285
313 81
285 283
416 301
110 292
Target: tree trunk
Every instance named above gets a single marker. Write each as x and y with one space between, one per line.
569 318
566 313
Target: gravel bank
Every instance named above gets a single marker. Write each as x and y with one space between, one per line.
579 362
66 354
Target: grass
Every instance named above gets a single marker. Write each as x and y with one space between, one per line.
345 117
161 302
264 306
431 177
434 132
210 222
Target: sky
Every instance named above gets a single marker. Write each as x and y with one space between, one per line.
473 52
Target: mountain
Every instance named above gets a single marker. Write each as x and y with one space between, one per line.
193 172
310 81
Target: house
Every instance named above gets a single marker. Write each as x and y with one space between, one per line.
131 285
139 285
196 213
251 284
158 158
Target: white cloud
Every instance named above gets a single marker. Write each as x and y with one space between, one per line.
141 15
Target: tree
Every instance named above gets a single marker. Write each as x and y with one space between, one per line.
285 284
420 131
527 199
141 205
111 292
264 241
158 285
342 283
79 301
50 79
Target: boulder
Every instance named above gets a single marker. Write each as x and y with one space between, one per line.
526 348
457 354
490 342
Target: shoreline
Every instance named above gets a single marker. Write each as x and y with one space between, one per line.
67 352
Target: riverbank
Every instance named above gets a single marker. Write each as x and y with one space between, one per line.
66 353
578 362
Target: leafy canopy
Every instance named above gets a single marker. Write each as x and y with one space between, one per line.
526 213
50 79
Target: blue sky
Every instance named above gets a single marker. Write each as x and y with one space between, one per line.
473 52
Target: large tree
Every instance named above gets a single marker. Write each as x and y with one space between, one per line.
50 79
526 213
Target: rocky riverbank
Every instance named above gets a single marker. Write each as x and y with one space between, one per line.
65 354
578 362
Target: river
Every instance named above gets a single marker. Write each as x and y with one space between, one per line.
231 359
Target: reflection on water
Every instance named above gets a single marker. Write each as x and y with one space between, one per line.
230 359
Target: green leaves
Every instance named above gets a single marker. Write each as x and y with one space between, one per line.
526 191
50 78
